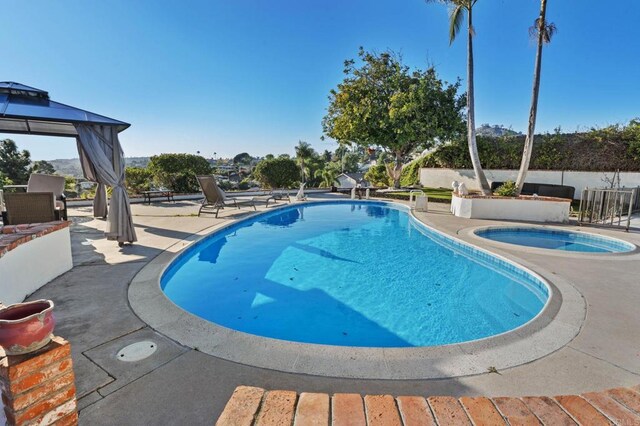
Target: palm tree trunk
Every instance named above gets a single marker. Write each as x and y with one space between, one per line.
528 143
397 171
471 120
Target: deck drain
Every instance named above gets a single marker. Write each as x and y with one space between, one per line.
137 351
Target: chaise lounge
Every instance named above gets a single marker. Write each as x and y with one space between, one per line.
215 198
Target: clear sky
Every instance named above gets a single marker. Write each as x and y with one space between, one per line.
229 76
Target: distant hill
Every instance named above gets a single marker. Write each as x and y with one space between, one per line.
71 166
495 131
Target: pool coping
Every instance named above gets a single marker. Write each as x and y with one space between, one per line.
554 327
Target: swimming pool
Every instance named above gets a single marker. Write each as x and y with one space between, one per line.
555 239
350 274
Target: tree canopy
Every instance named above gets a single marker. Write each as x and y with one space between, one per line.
43 167
279 172
178 171
383 103
242 158
14 164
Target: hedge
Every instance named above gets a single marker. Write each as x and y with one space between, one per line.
611 148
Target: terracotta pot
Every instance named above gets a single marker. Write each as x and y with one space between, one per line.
26 327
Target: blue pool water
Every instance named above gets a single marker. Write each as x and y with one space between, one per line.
556 239
350 274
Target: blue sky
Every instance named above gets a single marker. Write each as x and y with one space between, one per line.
249 75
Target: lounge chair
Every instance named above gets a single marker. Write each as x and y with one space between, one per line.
29 207
215 198
50 183
280 194
274 195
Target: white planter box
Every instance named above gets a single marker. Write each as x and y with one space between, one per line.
529 209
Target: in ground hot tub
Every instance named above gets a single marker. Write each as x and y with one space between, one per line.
555 239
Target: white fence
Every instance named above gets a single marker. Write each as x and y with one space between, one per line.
442 178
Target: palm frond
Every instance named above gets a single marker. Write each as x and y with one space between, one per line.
548 30
455 22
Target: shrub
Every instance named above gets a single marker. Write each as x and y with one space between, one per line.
178 171
611 148
411 172
377 176
244 184
70 187
225 185
4 180
507 189
279 172
138 179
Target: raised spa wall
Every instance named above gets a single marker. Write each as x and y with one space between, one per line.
30 256
530 209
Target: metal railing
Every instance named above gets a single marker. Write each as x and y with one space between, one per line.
610 207
417 193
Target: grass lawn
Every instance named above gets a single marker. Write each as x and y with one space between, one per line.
438 195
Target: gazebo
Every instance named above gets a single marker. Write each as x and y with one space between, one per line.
26 110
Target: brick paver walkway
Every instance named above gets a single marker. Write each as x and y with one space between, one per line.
254 406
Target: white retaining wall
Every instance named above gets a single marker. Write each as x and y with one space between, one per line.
442 178
511 209
31 265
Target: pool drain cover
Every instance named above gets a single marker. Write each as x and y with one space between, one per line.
137 351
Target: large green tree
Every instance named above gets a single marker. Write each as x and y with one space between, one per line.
14 164
456 19
543 33
383 103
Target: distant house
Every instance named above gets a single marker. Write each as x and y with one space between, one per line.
350 180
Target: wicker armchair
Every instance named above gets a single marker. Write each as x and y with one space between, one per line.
50 183
29 207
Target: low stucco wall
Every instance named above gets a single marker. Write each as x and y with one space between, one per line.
29 266
511 209
442 178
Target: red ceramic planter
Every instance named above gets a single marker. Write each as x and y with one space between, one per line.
26 327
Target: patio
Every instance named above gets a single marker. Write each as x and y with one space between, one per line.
180 385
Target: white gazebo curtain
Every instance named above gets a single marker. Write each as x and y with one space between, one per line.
102 161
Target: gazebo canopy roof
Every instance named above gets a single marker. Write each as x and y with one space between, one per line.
28 110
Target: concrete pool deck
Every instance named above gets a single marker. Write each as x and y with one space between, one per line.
179 385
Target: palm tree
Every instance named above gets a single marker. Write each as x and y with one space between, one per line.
303 151
544 32
455 23
327 176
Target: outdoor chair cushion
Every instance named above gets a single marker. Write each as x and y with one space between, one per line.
48 183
